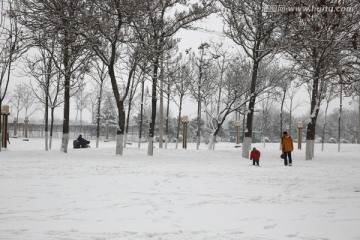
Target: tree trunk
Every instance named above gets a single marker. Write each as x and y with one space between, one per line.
161 110
51 126
47 106
179 120
310 133
324 127
358 128
121 112
249 119
65 137
98 115
199 112
141 111
212 141
127 122
340 113
167 116
129 110
1 133
281 117
153 108
47 120
121 130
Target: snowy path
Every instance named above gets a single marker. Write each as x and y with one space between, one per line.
177 194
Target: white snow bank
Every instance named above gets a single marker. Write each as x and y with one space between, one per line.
177 194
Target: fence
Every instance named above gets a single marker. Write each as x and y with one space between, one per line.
88 131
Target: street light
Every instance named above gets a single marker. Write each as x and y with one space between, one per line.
5 112
299 126
185 121
26 128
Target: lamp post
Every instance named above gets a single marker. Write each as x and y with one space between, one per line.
5 112
299 126
237 125
26 129
185 121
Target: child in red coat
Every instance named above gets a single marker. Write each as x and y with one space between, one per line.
255 156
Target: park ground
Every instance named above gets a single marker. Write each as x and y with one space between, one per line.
92 194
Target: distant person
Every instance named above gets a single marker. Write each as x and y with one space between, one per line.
287 148
83 142
255 156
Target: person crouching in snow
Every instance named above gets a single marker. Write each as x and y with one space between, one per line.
83 142
255 156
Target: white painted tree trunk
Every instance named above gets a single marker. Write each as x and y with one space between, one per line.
151 146
313 148
1 134
197 142
309 152
64 143
177 143
119 144
161 107
166 141
46 141
125 138
97 142
211 145
139 143
50 142
246 146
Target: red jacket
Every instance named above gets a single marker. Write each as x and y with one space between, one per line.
255 154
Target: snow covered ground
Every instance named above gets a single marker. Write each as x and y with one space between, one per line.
177 194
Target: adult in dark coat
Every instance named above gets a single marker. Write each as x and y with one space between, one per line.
287 148
83 142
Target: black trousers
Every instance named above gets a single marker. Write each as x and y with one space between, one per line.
256 161
287 155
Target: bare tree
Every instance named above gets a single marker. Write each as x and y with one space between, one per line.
181 86
132 91
55 19
172 64
16 106
328 97
316 41
81 102
160 23
203 86
144 68
28 100
11 47
42 70
256 31
101 74
290 105
266 105
111 39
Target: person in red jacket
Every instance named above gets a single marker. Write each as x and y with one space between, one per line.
255 156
